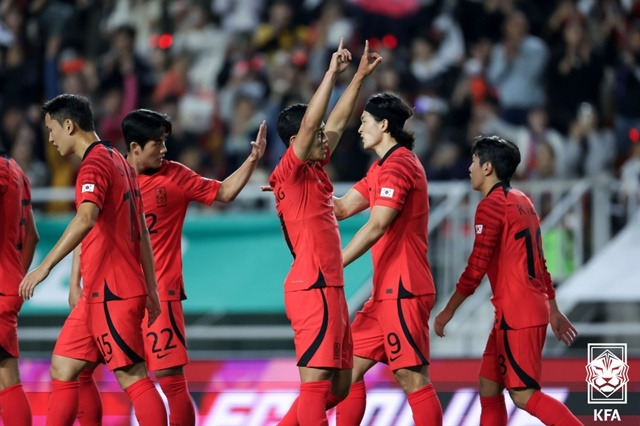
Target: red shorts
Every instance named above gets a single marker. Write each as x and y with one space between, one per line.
320 322
394 331
9 308
165 345
108 332
514 357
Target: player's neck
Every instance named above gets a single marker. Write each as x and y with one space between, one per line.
489 182
136 164
385 145
83 142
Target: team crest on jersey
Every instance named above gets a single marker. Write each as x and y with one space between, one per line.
161 196
386 192
478 229
88 187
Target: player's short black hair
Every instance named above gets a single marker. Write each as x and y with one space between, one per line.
143 125
73 107
503 155
289 122
396 111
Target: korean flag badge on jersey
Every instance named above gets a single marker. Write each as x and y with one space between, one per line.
478 229
386 192
88 187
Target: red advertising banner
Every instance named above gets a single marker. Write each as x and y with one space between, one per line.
259 392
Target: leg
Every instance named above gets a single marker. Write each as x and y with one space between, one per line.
494 410
146 400
89 400
549 410
351 410
63 402
422 398
166 353
174 386
14 405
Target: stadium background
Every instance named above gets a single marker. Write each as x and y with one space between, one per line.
560 78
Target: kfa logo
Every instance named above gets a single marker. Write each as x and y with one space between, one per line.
607 378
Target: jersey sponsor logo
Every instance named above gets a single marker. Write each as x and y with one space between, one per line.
161 196
88 187
607 373
386 192
478 229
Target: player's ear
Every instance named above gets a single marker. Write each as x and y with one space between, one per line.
135 148
487 168
69 126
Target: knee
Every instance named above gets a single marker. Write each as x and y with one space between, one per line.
410 381
59 371
520 397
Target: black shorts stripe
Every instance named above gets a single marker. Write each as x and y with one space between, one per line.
522 375
407 334
174 325
4 354
109 296
306 357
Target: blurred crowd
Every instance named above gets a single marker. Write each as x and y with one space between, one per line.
559 78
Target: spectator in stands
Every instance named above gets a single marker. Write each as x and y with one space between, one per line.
516 69
590 149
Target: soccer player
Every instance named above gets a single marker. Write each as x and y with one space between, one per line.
116 265
313 290
167 188
18 239
392 326
508 248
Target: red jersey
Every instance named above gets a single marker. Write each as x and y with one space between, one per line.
110 256
400 265
508 248
15 205
304 201
166 194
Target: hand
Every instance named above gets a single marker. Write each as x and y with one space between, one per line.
153 307
258 146
563 329
369 61
340 59
29 283
75 293
441 321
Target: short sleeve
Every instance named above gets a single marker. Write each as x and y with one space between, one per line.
196 187
362 186
92 183
290 166
394 183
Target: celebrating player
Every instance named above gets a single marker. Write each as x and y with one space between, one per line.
392 326
313 290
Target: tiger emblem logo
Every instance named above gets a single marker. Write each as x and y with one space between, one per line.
607 373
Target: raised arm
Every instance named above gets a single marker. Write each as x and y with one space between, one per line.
312 120
379 220
79 227
341 113
233 184
149 269
349 204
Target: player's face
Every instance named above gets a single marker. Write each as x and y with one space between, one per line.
152 154
320 143
475 173
57 135
369 131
